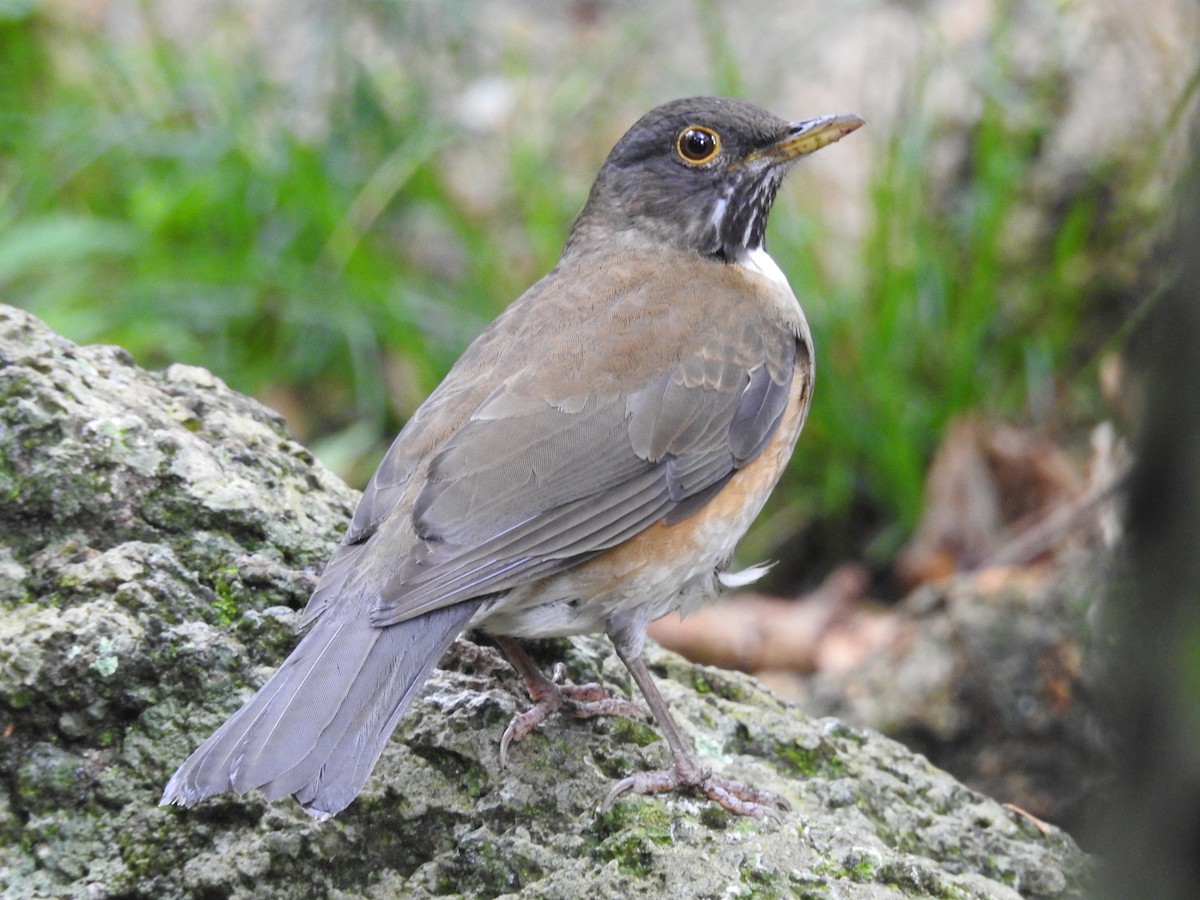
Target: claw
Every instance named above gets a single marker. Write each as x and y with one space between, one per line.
521 726
582 701
550 695
739 798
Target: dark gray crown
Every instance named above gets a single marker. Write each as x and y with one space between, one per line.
718 207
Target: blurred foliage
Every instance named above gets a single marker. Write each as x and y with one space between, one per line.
170 204
181 207
977 292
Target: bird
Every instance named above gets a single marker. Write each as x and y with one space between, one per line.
586 466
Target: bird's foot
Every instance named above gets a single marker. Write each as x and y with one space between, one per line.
690 777
550 695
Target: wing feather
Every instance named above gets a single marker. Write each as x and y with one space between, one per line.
531 486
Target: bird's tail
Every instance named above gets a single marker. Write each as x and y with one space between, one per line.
317 727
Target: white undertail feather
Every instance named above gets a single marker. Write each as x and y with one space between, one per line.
745 576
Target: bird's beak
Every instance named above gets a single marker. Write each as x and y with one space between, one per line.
806 137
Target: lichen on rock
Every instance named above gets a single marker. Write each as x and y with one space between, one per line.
158 535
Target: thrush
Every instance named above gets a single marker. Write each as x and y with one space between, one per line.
587 465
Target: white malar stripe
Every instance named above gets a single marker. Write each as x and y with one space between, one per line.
718 214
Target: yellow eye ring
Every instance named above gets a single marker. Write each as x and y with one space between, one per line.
697 145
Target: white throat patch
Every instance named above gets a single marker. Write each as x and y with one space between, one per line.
760 261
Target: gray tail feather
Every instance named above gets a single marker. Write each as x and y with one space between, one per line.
317 727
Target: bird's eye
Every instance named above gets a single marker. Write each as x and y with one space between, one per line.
697 145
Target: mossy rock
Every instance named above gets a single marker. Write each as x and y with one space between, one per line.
159 534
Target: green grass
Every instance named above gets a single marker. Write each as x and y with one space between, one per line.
936 322
168 204
183 208
953 310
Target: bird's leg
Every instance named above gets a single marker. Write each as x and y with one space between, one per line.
582 701
686 772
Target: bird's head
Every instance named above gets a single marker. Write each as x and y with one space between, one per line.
701 174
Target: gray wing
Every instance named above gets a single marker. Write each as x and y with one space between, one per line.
529 486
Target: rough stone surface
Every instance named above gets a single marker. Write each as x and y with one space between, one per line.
995 676
158 534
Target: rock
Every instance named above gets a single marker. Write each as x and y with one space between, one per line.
995 675
159 533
